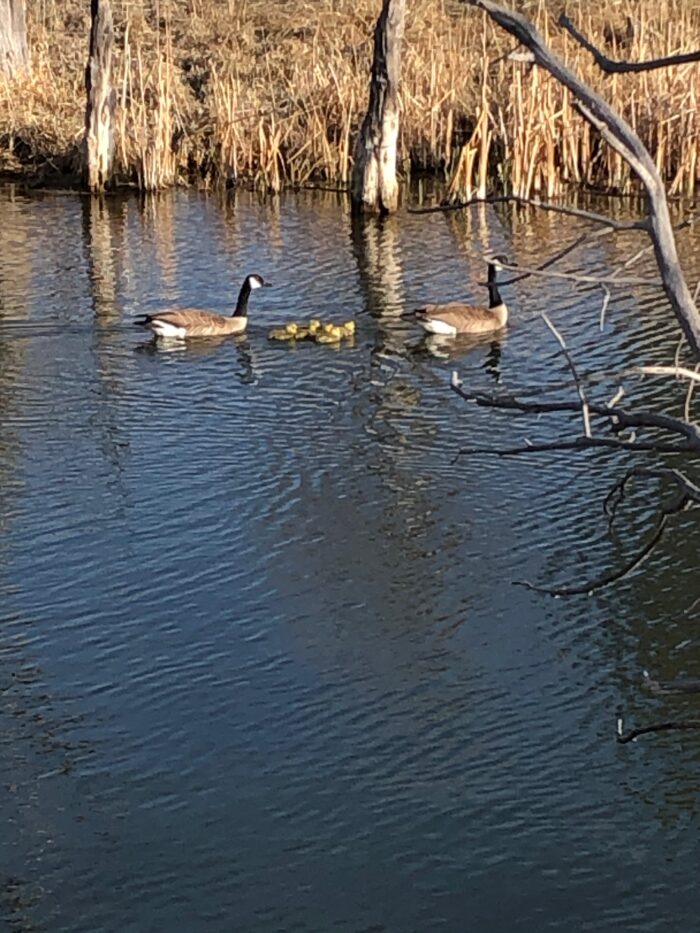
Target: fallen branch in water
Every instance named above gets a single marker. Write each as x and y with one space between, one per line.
663 688
681 724
619 418
577 444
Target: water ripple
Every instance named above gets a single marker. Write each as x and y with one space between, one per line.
284 680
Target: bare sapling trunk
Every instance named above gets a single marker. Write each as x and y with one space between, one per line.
374 185
101 98
14 53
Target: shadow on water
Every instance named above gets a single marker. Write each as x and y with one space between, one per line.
41 740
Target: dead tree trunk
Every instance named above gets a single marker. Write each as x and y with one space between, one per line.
14 53
101 98
374 185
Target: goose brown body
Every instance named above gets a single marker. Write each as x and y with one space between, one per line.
194 323
457 317
182 323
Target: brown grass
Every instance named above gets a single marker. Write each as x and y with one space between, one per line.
273 92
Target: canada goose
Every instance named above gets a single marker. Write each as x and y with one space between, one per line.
456 317
188 322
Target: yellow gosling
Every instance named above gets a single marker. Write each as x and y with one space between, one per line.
281 333
333 335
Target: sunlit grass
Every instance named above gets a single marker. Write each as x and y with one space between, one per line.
273 93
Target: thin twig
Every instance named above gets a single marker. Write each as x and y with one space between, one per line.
535 202
677 354
578 443
579 241
610 66
617 397
604 308
689 394
577 277
579 388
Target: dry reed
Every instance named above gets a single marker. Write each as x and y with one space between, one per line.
217 91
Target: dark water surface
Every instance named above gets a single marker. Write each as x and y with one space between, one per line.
262 665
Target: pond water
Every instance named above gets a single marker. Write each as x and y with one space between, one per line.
262 662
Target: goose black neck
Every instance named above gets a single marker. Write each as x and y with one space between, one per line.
242 303
494 295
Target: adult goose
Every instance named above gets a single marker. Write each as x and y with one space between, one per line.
183 323
456 317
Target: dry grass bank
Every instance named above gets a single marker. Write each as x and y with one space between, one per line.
273 92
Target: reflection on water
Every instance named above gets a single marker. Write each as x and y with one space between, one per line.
238 350
455 349
261 663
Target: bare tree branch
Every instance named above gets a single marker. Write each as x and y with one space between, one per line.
609 66
619 418
590 586
686 494
686 490
620 135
